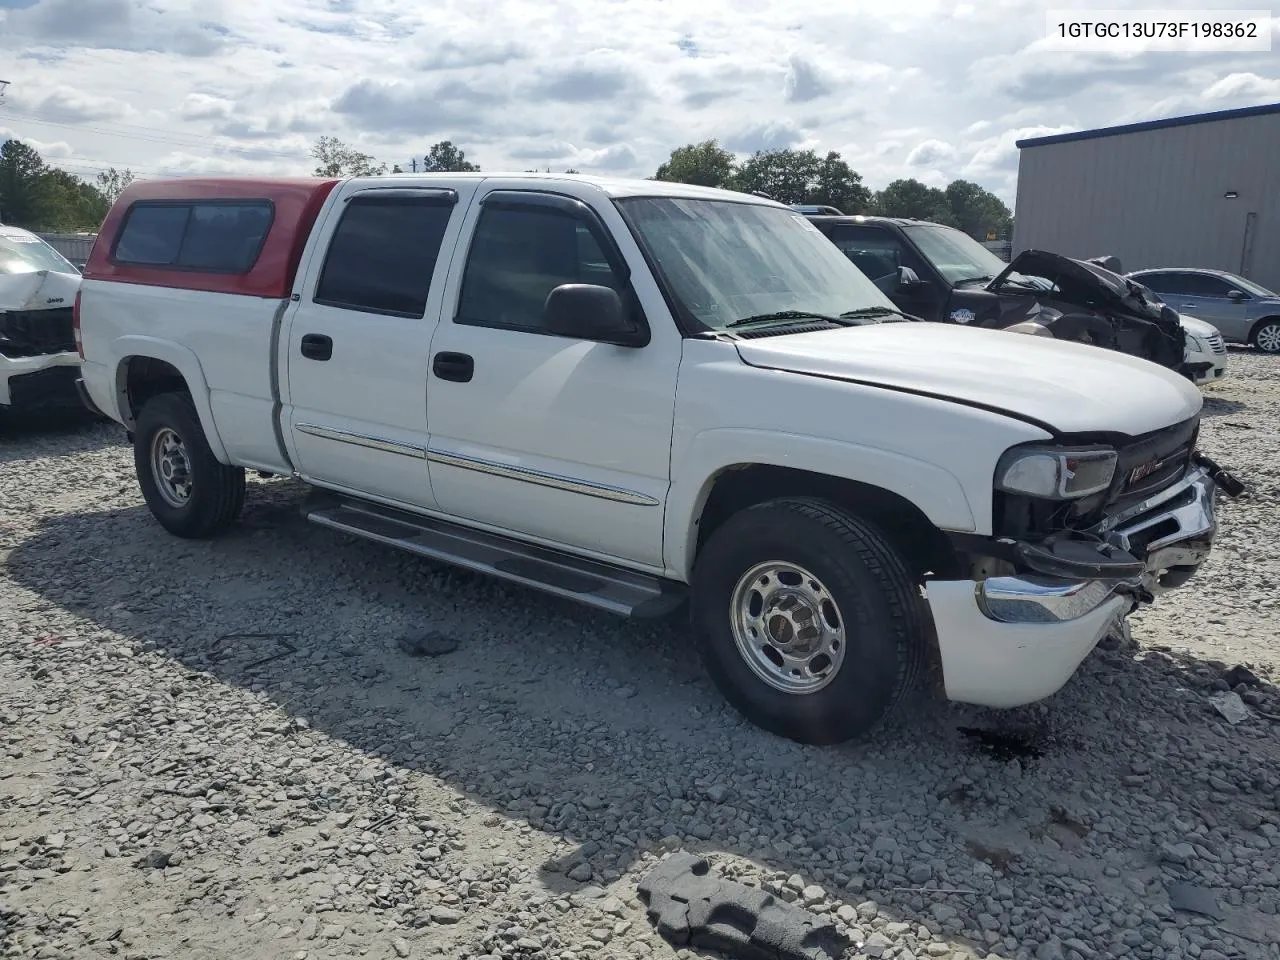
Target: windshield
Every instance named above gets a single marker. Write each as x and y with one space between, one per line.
954 254
725 260
24 253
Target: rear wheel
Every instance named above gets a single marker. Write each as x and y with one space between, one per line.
807 619
187 489
1266 336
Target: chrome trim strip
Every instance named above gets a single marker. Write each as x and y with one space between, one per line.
527 475
362 440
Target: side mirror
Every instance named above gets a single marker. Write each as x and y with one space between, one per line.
908 279
587 311
1235 296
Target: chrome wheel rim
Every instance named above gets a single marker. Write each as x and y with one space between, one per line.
171 467
787 627
1268 338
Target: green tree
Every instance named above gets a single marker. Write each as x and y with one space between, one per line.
705 164
21 168
37 196
112 182
914 200
801 176
444 157
839 186
334 158
977 211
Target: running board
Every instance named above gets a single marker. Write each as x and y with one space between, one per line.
590 582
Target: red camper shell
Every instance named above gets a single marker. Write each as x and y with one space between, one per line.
238 235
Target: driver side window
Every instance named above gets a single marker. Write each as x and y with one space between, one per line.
517 257
877 253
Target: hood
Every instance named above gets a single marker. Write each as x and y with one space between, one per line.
1071 387
38 290
1197 327
1078 280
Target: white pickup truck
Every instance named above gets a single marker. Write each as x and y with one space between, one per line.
636 394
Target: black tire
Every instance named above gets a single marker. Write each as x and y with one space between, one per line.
216 492
885 623
1269 343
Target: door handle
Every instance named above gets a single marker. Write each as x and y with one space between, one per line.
458 367
316 346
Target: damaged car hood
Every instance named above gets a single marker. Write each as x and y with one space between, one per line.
37 290
1084 302
1071 387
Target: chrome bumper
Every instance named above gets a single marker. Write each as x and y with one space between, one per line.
1173 530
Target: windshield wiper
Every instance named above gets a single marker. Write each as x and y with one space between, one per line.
985 278
866 313
781 315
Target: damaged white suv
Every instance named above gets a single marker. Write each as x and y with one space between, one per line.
38 359
635 393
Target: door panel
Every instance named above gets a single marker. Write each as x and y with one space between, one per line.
1205 296
357 343
563 439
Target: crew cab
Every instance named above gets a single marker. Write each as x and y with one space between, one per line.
650 397
942 274
38 359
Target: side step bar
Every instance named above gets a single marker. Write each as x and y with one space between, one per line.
595 584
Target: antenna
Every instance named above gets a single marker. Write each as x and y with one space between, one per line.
4 84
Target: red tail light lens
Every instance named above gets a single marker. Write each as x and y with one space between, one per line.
75 325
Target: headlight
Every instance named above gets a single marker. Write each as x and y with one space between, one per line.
1055 473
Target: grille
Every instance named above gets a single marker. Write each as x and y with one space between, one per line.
29 333
1216 343
1154 461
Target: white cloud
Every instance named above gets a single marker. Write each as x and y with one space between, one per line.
1244 86
925 88
930 153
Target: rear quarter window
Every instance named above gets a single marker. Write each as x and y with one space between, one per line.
201 236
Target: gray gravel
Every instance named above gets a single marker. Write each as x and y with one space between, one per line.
223 749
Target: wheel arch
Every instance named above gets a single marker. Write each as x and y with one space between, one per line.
743 485
148 366
1259 324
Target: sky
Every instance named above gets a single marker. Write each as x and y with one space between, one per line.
905 89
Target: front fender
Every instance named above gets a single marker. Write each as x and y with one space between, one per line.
185 362
937 493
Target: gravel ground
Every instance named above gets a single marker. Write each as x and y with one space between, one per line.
216 750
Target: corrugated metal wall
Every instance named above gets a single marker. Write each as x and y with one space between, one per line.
1154 198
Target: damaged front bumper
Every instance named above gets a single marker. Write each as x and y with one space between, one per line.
1010 640
38 381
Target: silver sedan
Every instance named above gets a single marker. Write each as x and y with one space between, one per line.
1242 310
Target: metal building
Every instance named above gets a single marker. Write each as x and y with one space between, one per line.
1197 191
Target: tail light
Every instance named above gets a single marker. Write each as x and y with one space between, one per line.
75 326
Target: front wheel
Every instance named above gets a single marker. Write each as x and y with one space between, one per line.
1266 337
807 619
187 489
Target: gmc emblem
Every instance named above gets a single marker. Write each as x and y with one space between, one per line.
1146 470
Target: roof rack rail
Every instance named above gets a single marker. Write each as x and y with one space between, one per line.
817 209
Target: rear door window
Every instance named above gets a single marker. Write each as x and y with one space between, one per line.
209 237
383 253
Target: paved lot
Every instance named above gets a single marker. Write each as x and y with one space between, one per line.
216 750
